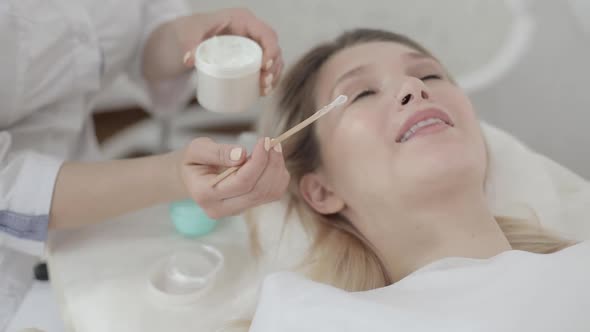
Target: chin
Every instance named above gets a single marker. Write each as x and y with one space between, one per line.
441 163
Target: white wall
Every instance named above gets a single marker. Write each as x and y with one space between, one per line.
442 26
545 99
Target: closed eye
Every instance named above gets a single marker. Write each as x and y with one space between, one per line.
364 93
431 77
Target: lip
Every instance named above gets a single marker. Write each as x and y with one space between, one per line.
420 115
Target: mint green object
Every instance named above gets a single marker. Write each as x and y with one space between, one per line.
190 220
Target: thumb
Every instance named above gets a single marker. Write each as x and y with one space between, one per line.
204 151
189 59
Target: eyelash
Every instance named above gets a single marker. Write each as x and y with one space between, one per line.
370 92
364 93
431 77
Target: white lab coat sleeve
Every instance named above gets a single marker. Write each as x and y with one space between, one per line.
27 180
165 94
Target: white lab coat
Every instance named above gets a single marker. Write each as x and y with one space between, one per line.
55 57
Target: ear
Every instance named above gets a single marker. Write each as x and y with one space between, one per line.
319 196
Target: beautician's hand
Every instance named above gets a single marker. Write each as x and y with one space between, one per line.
261 179
196 28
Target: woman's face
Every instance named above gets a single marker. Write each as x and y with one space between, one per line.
406 130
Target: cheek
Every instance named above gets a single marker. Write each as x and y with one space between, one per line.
462 111
469 124
353 149
356 133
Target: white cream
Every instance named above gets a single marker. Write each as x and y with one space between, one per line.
227 52
228 73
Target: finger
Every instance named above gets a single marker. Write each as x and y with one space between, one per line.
275 69
221 25
271 186
270 79
265 36
189 59
266 82
204 151
198 189
277 73
244 179
204 158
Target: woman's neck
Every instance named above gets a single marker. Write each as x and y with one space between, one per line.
458 225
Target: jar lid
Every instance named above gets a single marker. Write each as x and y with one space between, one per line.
228 56
185 275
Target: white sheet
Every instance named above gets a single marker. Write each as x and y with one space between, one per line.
523 183
452 294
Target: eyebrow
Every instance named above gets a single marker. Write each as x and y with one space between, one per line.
349 74
418 56
353 72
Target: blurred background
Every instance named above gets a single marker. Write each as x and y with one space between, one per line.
524 64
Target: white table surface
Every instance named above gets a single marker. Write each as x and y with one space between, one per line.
38 310
99 275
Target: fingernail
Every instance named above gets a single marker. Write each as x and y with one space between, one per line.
266 144
268 80
187 56
267 90
278 148
269 64
235 154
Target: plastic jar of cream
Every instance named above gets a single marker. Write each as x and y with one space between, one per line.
228 73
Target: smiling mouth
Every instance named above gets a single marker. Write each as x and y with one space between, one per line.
428 124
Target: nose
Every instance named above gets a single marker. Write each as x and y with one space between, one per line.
412 91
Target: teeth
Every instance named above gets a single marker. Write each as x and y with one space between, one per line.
421 124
